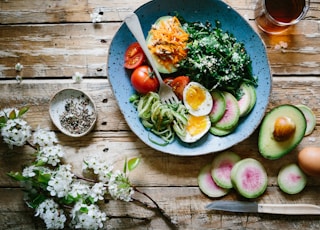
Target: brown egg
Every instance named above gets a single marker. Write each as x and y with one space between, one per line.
309 160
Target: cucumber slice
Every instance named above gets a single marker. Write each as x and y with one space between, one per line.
291 179
248 99
221 168
207 184
249 178
219 132
231 115
219 106
310 118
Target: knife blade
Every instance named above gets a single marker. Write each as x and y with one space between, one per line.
253 207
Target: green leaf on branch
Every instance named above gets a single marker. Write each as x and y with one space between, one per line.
23 110
133 163
84 210
3 121
36 200
16 176
44 178
12 115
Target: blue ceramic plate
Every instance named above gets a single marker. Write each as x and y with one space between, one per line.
208 10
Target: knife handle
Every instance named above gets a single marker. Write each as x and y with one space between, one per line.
289 209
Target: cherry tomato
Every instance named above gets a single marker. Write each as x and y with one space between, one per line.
144 80
134 56
178 84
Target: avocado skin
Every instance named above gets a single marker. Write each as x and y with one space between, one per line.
270 148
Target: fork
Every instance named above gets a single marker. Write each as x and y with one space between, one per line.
165 92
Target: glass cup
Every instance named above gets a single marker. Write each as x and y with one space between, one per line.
275 16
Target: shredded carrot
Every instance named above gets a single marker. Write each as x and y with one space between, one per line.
168 42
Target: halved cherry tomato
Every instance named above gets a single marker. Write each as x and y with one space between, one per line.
144 80
134 56
178 84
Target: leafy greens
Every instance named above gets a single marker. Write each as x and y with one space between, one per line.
215 58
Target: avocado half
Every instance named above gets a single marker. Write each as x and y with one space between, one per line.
271 148
160 67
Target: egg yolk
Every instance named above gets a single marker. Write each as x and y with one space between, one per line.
195 96
196 125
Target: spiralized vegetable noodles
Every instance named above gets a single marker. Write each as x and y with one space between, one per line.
163 120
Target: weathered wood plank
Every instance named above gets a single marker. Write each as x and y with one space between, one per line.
60 50
55 50
28 11
184 206
156 168
15 12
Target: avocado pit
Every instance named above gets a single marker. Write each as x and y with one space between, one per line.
284 128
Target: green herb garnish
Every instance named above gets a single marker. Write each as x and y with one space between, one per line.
215 58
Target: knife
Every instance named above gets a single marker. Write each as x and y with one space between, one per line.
253 207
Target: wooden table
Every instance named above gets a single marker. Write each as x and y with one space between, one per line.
54 39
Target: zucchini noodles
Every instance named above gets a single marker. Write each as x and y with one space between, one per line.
164 120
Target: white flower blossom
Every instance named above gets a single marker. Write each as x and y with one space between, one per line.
53 217
50 155
87 216
60 182
79 189
16 132
119 187
29 171
98 191
42 138
77 77
102 169
18 67
96 17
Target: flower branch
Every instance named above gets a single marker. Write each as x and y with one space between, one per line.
58 196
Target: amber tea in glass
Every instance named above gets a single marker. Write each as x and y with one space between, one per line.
275 16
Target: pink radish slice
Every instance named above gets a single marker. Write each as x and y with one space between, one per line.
232 114
207 184
291 179
249 178
222 165
219 106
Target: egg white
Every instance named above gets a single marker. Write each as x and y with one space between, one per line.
197 91
189 137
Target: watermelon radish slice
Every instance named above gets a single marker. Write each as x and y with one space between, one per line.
310 118
207 184
249 178
219 106
247 100
232 114
291 179
253 94
221 168
219 132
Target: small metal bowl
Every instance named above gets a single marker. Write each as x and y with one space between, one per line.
73 112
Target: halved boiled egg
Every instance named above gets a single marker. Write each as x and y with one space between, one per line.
197 99
197 127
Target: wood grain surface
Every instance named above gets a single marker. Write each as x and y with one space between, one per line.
54 39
